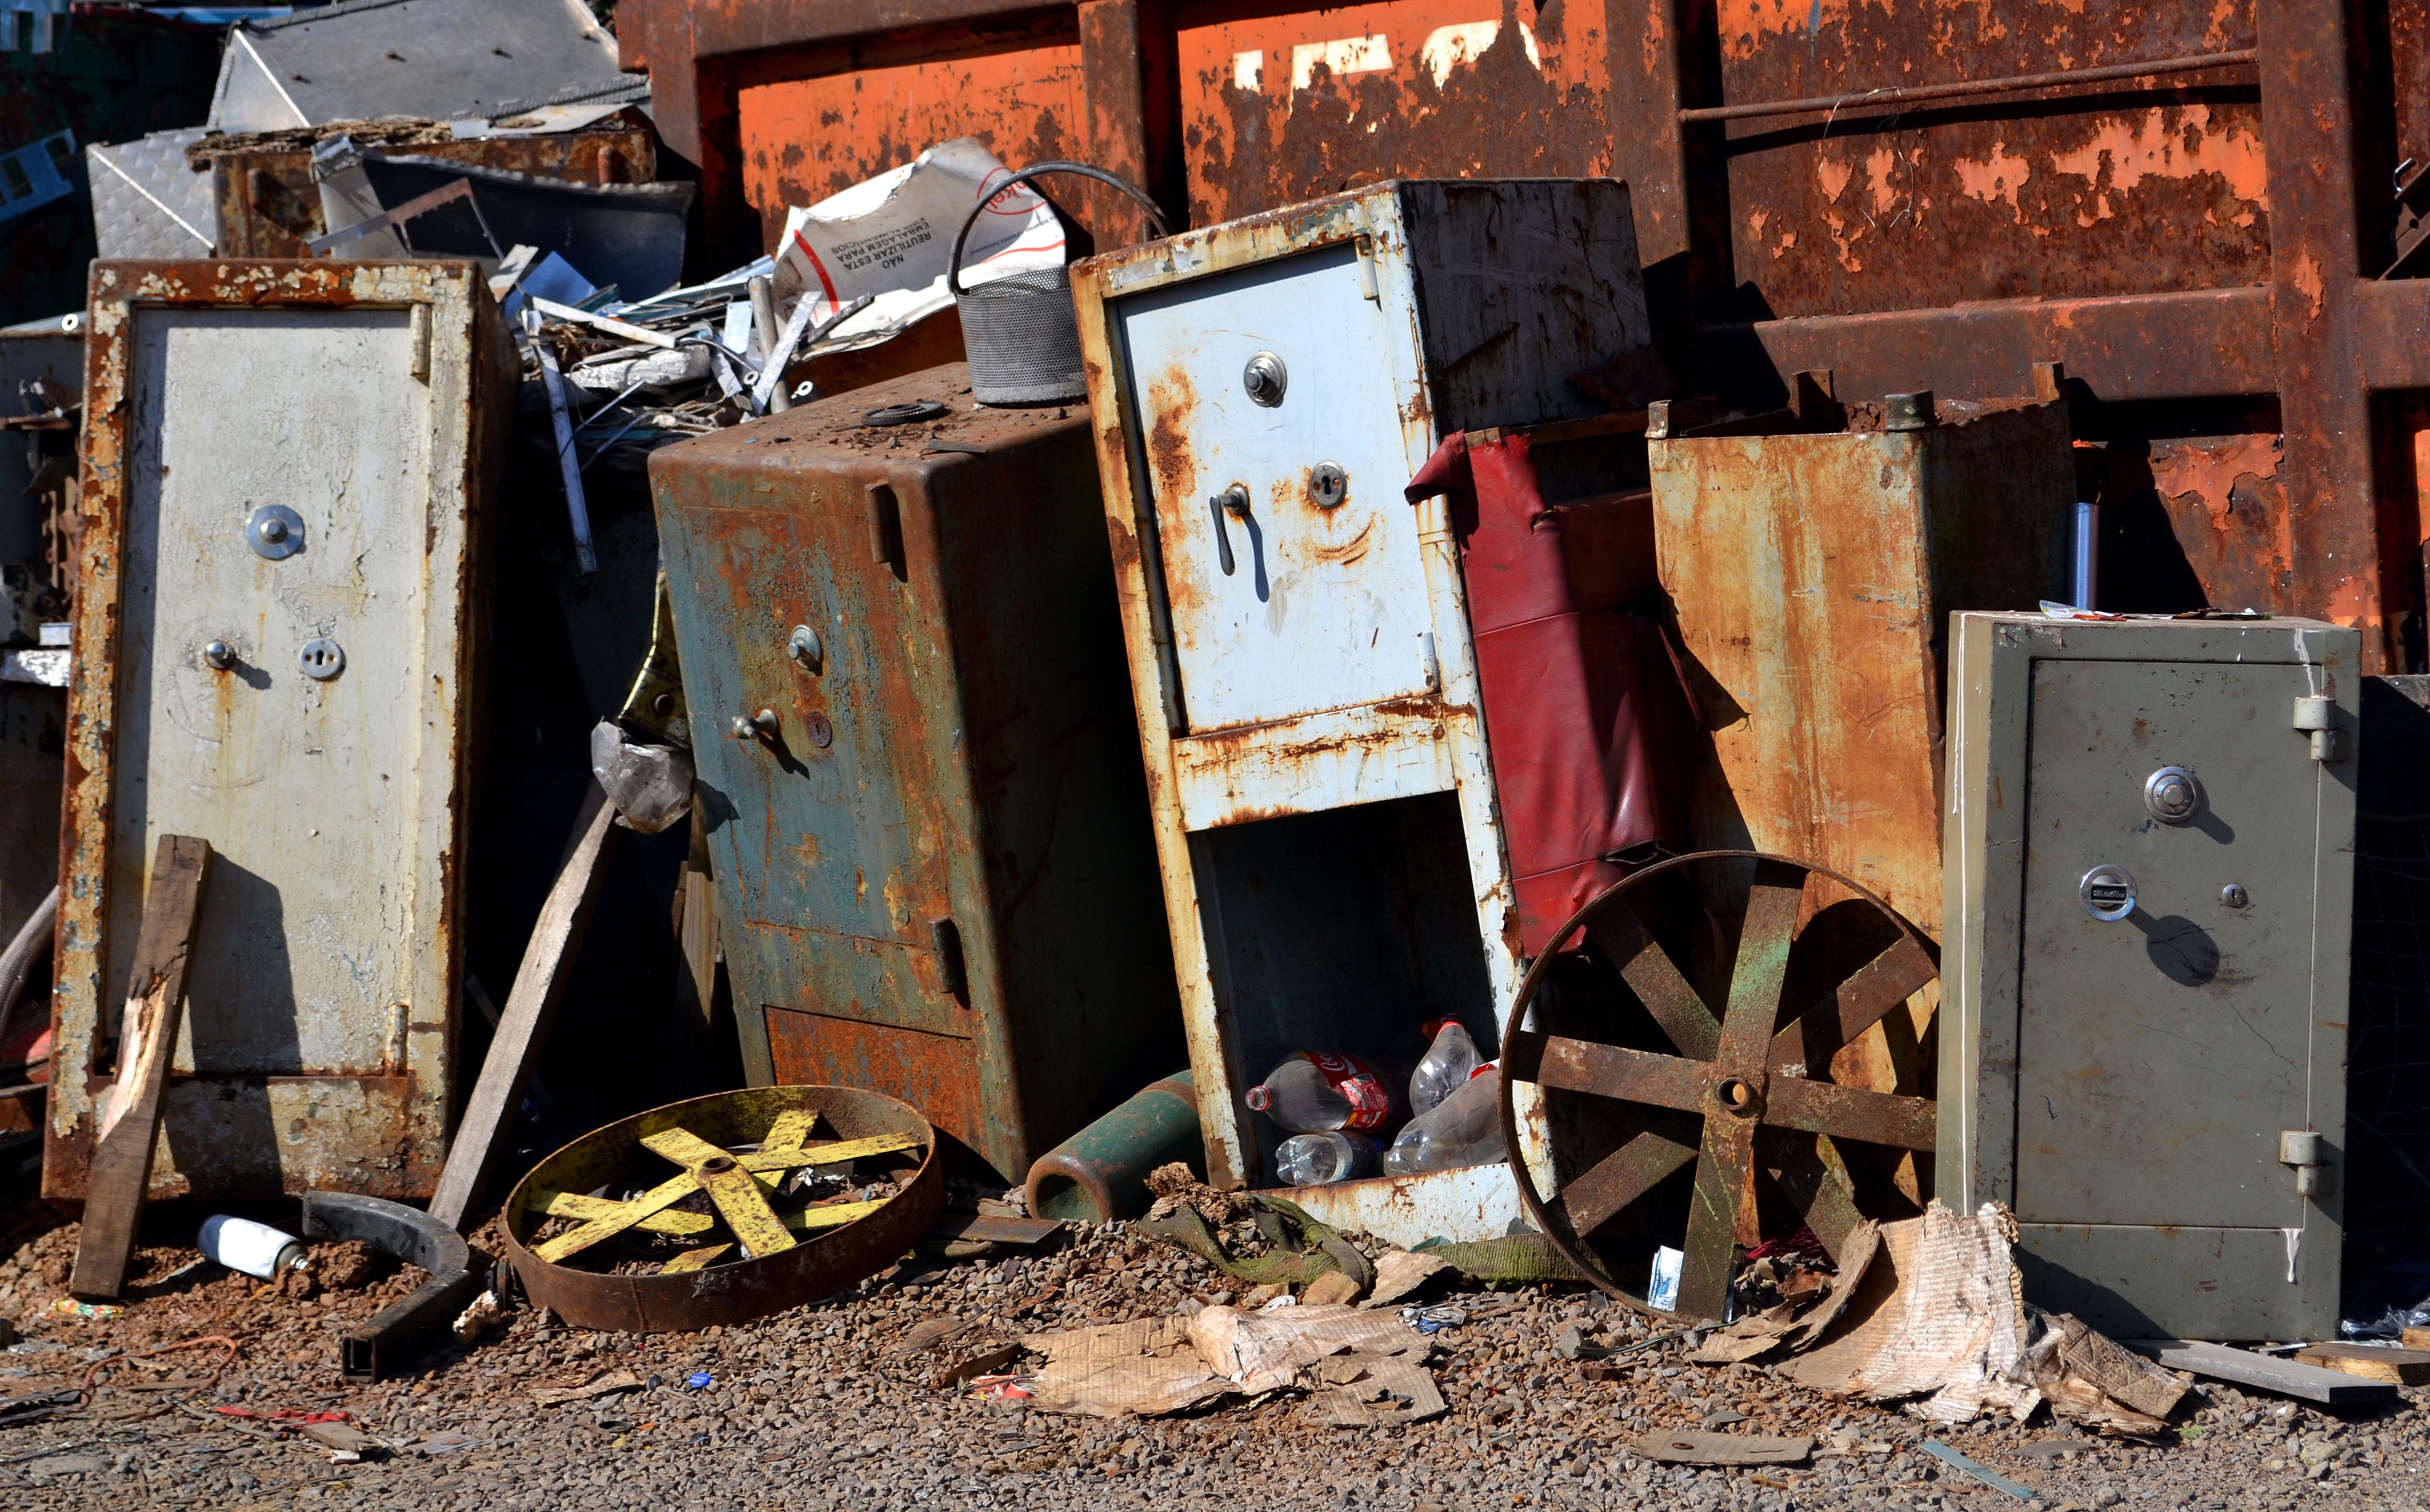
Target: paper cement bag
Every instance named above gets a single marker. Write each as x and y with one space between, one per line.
891 236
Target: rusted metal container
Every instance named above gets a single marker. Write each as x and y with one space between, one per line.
1811 563
284 463
2192 206
1300 657
904 674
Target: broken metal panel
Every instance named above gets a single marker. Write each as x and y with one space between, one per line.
436 60
2107 189
299 697
1473 1201
268 204
1812 577
1325 818
935 873
1282 106
147 201
2108 936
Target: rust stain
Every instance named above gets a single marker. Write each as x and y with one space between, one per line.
1285 107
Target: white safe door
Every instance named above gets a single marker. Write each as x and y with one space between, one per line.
305 788
1325 606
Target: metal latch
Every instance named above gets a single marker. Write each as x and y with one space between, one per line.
2318 714
1365 247
2301 1149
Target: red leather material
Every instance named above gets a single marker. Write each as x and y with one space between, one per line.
1587 714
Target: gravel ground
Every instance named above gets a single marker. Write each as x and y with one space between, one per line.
816 1408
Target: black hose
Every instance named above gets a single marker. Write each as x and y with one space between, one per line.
16 963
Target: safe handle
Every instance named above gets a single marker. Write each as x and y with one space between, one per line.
1234 500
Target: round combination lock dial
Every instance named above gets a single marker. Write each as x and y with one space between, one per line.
2171 795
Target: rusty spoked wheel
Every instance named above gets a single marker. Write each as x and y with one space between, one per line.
1687 1029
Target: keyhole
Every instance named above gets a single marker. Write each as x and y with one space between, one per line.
321 659
1327 486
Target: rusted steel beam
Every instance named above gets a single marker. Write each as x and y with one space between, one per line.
2197 344
2307 77
2393 333
722 28
1126 77
1967 89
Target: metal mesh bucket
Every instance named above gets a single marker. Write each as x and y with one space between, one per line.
1019 331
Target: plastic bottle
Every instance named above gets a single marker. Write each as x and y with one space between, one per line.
1464 1129
1313 1090
1327 1155
256 1249
1451 1059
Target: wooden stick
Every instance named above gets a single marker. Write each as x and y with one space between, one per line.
129 1117
540 986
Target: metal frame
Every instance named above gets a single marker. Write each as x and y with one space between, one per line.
2323 336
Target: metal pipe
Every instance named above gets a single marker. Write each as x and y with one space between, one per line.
32 938
1906 93
1100 1173
2085 558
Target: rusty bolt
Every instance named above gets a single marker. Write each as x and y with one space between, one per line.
663 705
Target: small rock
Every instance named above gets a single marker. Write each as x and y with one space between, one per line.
1334 1287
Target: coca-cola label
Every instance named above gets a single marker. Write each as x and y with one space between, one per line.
1358 1081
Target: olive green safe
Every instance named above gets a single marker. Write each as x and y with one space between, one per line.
2148 856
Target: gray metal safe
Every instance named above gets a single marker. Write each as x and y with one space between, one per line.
2148 902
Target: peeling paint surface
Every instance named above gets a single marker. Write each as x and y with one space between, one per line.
1283 108
2121 190
316 1049
803 139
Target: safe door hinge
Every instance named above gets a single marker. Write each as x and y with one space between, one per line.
2303 1149
2318 715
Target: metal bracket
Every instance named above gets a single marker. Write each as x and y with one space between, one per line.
414 1236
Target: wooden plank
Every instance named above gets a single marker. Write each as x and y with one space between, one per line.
2287 1377
2403 1367
1693 1446
129 1120
539 987
2416 1338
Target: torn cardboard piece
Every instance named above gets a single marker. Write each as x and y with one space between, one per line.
1399 1272
1361 1363
1937 1318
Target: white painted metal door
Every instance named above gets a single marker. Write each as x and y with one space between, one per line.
1324 605
304 786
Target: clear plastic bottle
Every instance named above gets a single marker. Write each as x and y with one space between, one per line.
1326 1155
1451 1059
1313 1090
1464 1129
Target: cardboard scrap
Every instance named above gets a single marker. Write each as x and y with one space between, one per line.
2094 1381
1375 1391
1937 1317
1399 1272
1263 1351
599 1384
1363 1364
1941 1324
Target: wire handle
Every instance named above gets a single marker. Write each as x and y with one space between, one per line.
1155 215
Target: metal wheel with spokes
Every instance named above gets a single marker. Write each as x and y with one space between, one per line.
1686 1028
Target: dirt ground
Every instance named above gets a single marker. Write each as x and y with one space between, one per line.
818 1408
